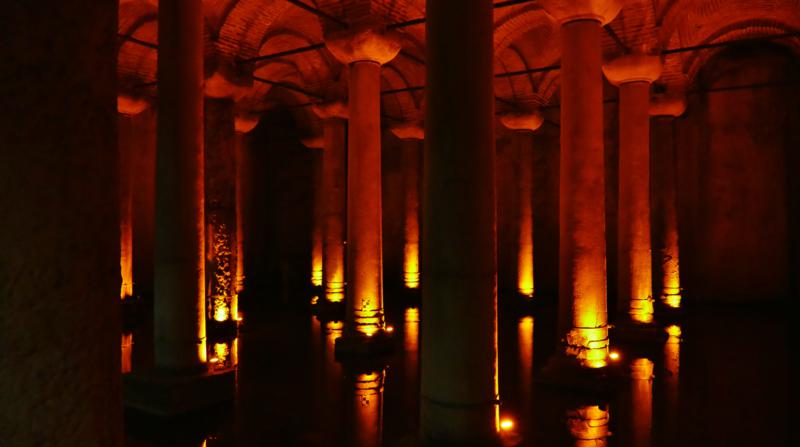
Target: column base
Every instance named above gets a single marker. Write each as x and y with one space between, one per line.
167 395
629 332
328 311
567 373
668 313
350 346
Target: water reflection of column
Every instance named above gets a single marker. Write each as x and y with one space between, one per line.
365 409
331 373
411 348
588 426
525 332
127 352
641 401
668 419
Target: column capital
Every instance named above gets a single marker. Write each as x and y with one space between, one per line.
365 44
245 122
225 84
530 121
313 142
331 109
408 131
672 104
635 67
130 105
565 11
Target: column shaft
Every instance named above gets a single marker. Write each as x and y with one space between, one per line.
634 252
179 309
241 171
665 234
317 221
411 165
583 316
525 283
59 234
125 137
334 190
364 311
220 194
459 311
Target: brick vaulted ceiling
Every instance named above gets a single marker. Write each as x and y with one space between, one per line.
525 38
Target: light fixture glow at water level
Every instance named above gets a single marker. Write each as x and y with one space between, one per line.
614 355
506 424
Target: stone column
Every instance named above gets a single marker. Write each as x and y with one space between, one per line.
243 124
317 145
524 124
664 109
364 410
60 272
179 310
220 195
364 51
633 74
459 390
412 136
334 191
641 404
583 316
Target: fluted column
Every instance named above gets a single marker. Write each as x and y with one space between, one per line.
364 51
583 316
179 310
459 390
664 109
524 124
633 74
412 137
334 135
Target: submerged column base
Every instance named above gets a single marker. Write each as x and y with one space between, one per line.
165 395
567 372
635 333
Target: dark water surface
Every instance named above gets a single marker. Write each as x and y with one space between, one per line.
725 381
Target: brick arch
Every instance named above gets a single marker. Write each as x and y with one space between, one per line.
316 65
509 27
734 31
405 105
243 27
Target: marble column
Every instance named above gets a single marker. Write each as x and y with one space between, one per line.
583 315
364 51
334 191
412 137
243 124
523 125
633 74
60 276
664 109
220 206
179 310
318 145
459 389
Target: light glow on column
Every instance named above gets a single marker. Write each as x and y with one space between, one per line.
368 317
589 345
127 352
642 400
367 405
316 257
671 292
411 330
411 265
221 298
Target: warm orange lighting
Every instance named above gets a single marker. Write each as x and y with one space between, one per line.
127 352
221 290
525 260
221 310
316 272
366 410
411 265
314 300
506 424
368 318
389 329
525 284
641 310
588 426
225 354
674 332
614 355
642 401
589 345
411 342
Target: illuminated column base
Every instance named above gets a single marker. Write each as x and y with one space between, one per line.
412 136
671 297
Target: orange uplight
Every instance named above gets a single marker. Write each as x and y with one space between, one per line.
221 309
641 310
588 425
389 329
671 294
127 352
368 317
411 342
614 355
506 424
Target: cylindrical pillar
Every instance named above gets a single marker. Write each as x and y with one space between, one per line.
459 390
179 309
364 411
242 125
364 52
220 194
524 124
583 316
411 135
633 74
59 234
317 219
334 159
125 131
665 235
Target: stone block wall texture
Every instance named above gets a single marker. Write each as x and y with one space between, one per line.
59 230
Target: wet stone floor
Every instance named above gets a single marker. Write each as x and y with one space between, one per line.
721 379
